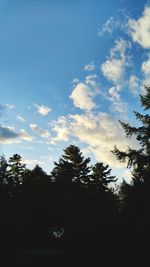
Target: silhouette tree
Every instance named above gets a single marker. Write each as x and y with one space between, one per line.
101 176
16 170
36 177
139 159
4 173
136 197
72 167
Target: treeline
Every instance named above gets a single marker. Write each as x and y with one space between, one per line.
41 210
75 208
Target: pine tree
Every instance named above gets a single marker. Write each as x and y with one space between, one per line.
101 176
138 159
4 173
16 170
72 167
136 197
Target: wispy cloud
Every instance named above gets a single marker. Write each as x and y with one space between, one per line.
114 69
109 26
20 118
75 81
63 132
7 106
25 136
43 110
145 67
134 85
8 135
32 162
91 80
90 66
38 130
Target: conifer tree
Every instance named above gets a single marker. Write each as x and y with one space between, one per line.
16 170
4 173
138 159
136 197
72 167
101 176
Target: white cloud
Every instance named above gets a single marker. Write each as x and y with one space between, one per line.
90 66
146 68
109 26
134 85
63 132
20 118
128 175
120 49
91 80
75 81
114 92
46 161
82 96
38 130
32 161
25 136
118 105
43 110
140 29
114 69
98 131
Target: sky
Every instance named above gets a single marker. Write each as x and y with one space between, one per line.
69 70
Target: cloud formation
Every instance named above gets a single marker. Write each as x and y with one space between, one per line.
90 66
140 29
146 68
99 131
20 118
43 110
82 96
114 69
25 136
62 130
8 135
38 130
109 26
6 107
134 85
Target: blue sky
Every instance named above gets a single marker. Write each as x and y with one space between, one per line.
68 71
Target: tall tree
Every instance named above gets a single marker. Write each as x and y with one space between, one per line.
16 169
138 159
72 167
136 197
101 176
4 173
